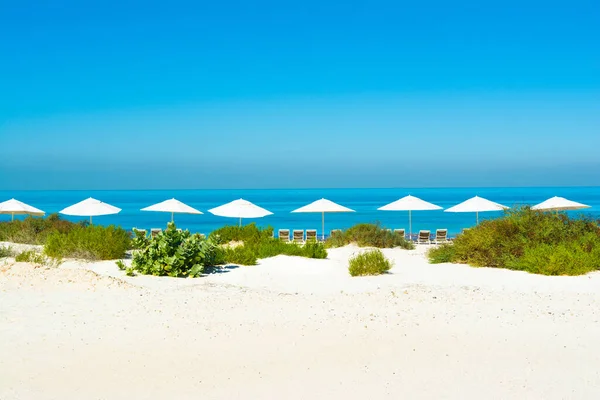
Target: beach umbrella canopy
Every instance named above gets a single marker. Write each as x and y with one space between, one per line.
476 204
16 207
322 206
559 204
240 209
410 203
90 208
173 206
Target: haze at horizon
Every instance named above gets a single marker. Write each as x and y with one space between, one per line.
120 96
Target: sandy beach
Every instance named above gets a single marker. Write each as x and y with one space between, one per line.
292 328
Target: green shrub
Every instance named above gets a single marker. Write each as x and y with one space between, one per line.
175 253
31 256
369 235
528 240
34 230
242 255
93 242
6 252
441 254
248 234
259 243
140 240
370 262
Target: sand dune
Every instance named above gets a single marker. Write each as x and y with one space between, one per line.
296 328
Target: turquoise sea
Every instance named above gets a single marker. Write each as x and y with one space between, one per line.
282 201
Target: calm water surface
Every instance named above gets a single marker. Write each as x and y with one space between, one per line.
282 201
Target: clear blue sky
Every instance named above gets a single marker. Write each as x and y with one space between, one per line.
119 94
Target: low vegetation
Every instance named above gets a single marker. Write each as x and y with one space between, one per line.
528 240
368 235
175 253
6 252
34 230
93 242
33 257
370 262
245 245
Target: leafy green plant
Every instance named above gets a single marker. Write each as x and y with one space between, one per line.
176 253
140 240
528 240
370 262
34 230
369 235
93 242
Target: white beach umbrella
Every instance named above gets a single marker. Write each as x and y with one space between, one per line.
322 206
90 208
173 206
476 204
410 203
240 209
559 204
16 207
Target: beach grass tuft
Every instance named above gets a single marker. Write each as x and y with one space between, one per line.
370 262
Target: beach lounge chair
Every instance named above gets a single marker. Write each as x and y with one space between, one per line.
441 236
155 231
284 235
311 235
400 232
389 230
298 236
203 236
424 237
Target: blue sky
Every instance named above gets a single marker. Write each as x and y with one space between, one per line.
109 95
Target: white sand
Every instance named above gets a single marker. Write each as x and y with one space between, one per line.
292 328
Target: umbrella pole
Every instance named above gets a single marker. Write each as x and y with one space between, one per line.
172 216
240 222
323 226
90 220
13 216
410 224
477 217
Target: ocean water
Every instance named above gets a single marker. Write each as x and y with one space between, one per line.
282 201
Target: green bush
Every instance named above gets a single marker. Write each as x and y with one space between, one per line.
441 254
6 252
528 240
34 230
369 235
140 240
259 243
176 253
31 256
370 262
247 234
242 255
93 242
